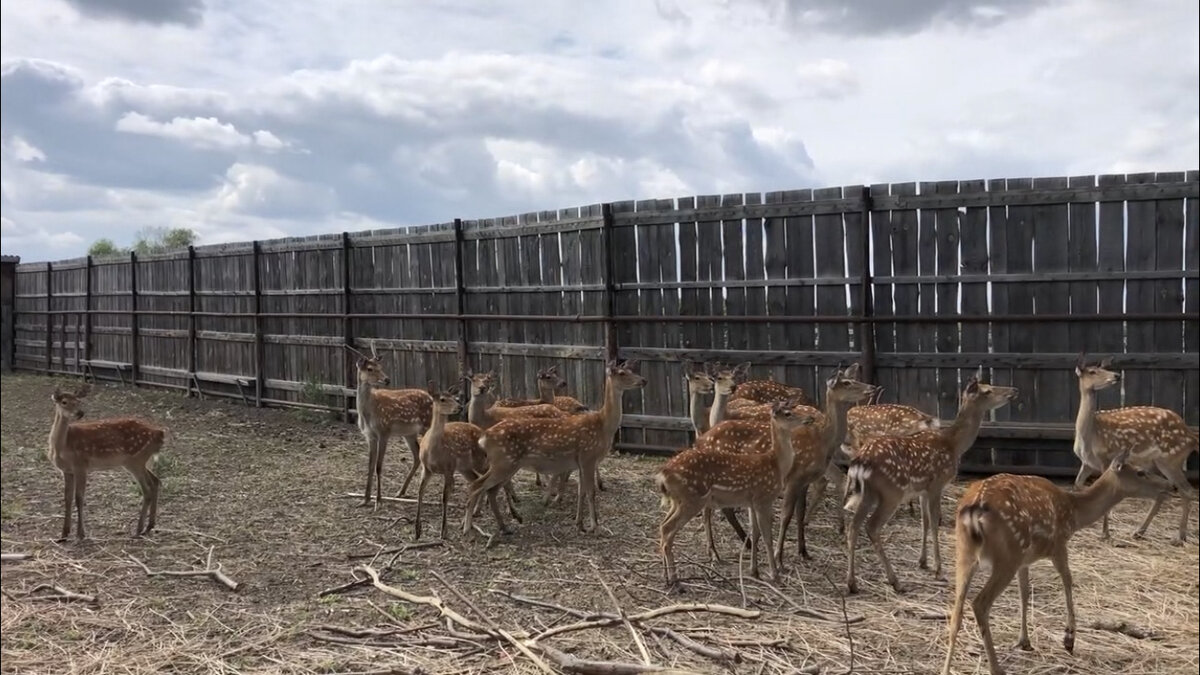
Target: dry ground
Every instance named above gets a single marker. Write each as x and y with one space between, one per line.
261 492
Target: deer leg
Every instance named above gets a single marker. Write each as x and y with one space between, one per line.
764 517
1062 566
1000 578
511 500
866 503
143 481
755 541
372 453
381 451
599 481
414 446
68 504
883 513
732 519
964 571
713 554
156 484
923 560
425 476
80 489
789 511
447 490
587 493
1174 473
1023 589
680 514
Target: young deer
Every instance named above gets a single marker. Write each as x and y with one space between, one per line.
1152 436
383 412
725 382
1007 522
888 469
699 384
78 448
768 391
548 383
556 446
697 480
449 447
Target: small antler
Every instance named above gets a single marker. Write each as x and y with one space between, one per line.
354 351
374 352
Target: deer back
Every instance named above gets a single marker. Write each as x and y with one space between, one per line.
1005 511
403 407
769 391
723 478
909 462
865 422
1146 432
540 410
565 435
112 442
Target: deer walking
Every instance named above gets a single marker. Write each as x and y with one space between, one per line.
384 412
889 469
79 448
1152 436
697 480
450 447
1007 522
555 446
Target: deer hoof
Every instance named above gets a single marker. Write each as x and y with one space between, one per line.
851 587
1177 541
922 563
1023 645
1069 641
1140 534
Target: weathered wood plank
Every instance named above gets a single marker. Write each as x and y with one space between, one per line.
1141 218
1109 338
689 298
829 245
947 337
708 267
1168 295
905 298
1057 395
1019 235
733 256
1191 290
775 265
800 301
929 395
1082 259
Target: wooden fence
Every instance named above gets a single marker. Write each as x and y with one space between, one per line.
921 283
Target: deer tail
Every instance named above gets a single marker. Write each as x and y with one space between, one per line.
971 519
856 484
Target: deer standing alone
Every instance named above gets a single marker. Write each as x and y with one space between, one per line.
78 448
1007 522
1152 436
889 469
555 446
696 480
383 412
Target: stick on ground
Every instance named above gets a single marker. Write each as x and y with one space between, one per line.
213 573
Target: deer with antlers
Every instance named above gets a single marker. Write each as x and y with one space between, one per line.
1005 523
1152 436
450 447
556 446
697 480
889 469
384 412
79 448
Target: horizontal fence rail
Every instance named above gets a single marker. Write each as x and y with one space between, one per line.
921 283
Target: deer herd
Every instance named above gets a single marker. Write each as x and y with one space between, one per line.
756 442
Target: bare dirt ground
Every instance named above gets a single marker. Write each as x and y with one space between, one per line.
261 493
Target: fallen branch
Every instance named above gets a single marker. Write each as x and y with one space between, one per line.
612 619
637 638
59 594
800 610
399 549
499 631
349 585
13 557
572 664
1124 628
398 500
211 572
427 600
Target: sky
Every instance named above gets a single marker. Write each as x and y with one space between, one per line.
253 119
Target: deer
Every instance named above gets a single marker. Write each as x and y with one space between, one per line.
767 391
78 448
697 480
888 469
450 447
548 384
1007 522
725 381
699 384
557 445
1153 436
384 412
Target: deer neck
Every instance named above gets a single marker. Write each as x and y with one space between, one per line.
364 402
58 435
477 412
1091 503
835 423
1085 420
545 393
437 427
965 428
781 447
716 414
697 412
610 412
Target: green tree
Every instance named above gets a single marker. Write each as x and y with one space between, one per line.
160 239
104 247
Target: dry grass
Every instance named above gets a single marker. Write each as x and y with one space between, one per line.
261 490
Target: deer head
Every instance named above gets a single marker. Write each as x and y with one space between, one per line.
623 377
727 378
986 397
1096 377
70 405
1134 482
844 386
784 415
481 383
370 369
446 402
698 380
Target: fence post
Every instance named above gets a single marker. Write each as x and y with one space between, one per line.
87 317
460 297
610 295
258 330
134 329
866 328
347 335
191 289
49 315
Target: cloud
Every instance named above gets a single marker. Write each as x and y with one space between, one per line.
261 191
827 78
884 17
18 237
207 133
183 12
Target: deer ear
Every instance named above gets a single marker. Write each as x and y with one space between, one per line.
1106 363
431 387
454 390
56 396
972 385
852 371
83 391
741 369
1119 461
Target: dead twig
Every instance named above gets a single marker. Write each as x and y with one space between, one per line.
494 626
800 610
611 620
59 594
572 664
13 557
1125 628
211 572
637 638
349 585
399 549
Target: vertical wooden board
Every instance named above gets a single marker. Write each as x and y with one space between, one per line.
648 303
1109 338
552 275
801 298
1019 248
998 264
1169 218
625 260
906 263
947 340
929 395
663 237
531 275
733 255
1191 289
1141 220
689 298
973 235
755 336
513 367
1081 258
829 243
880 232
708 268
775 241
572 276
1055 387
591 375
855 230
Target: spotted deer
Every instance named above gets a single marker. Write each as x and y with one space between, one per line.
450 447
725 381
1005 523
79 448
1153 436
699 384
384 412
557 445
768 391
697 480
888 469
549 382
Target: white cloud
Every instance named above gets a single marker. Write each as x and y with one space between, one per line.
207 133
827 78
22 151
